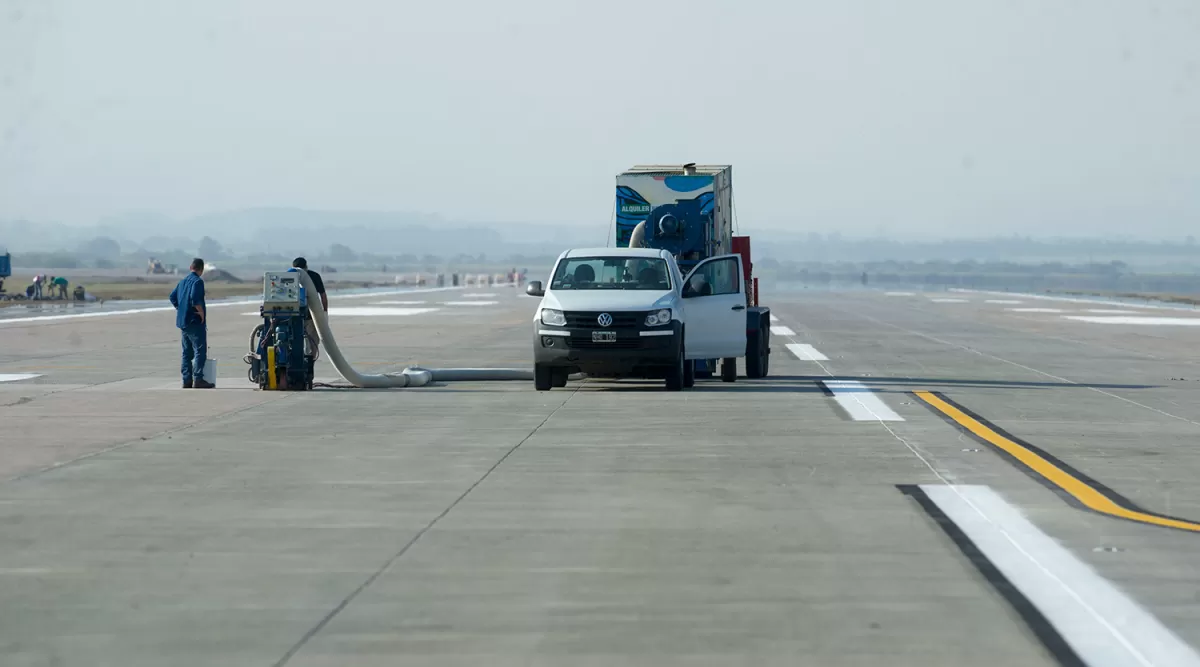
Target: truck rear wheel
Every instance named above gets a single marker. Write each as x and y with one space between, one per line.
757 355
559 377
729 369
689 373
542 377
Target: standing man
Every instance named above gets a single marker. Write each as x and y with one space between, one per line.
310 326
191 318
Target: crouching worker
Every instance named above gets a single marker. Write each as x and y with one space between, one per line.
191 318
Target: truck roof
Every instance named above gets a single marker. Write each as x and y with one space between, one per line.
615 252
675 169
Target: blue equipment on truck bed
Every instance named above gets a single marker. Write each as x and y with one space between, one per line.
687 210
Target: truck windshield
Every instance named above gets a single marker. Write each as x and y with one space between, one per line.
612 273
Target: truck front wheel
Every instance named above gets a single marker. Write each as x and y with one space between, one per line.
676 373
543 377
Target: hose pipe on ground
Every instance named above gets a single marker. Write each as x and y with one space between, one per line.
409 377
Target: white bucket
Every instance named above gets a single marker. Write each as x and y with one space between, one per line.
210 371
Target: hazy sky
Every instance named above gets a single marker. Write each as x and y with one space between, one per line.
913 117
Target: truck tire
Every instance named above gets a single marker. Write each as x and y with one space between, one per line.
676 372
689 373
542 379
729 369
757 357
559 377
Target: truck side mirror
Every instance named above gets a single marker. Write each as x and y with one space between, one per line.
534 288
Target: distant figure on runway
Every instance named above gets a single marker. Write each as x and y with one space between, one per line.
191 318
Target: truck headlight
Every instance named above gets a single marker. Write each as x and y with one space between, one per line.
554 318
658 317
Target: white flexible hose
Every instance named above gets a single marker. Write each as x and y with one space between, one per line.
409 377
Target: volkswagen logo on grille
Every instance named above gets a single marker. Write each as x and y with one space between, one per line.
604 320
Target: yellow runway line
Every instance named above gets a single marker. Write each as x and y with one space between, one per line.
1087 492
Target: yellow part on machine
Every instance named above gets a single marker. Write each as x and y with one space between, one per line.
271 367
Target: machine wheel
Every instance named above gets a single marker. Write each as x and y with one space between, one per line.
729 369
542 377
689 373
676 372
756 355
559 377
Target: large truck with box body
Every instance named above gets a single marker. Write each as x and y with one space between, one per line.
687 210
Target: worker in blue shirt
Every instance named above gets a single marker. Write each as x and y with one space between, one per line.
190 317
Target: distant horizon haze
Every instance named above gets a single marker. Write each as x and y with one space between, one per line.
924 119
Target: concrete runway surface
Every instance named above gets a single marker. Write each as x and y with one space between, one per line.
926 479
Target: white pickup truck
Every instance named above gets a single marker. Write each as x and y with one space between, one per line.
629 313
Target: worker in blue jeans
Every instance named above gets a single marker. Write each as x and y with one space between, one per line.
190 317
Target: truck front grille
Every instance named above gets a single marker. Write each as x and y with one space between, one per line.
577 319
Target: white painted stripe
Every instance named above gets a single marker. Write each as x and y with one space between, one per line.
657 333
1106 311
477 295
17 377
782 331
1099 301
219 304
1010 302
469 303
369 311
948 300
1035 310
805 352
899 294
552 332
1102 624
860 402
773 318
398 303
1147 321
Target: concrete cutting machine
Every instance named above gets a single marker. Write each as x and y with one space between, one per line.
282 355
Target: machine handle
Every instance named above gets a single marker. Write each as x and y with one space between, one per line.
738 307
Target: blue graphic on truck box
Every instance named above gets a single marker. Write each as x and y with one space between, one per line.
638 194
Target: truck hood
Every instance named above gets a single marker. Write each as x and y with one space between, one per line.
614 300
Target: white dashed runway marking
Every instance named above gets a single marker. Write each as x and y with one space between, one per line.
859 402
17 377
806 352
1144 321
782 331
1035 310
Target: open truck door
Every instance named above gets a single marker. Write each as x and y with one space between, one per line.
714 304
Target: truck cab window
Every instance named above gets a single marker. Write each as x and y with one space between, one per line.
588 273
716 277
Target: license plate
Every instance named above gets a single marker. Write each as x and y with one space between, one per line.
604 336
